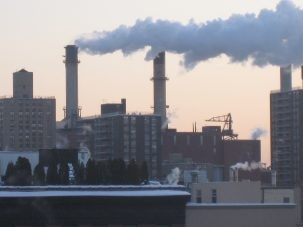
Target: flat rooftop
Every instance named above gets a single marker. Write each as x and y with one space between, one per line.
91 190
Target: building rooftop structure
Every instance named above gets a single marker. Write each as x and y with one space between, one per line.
93 206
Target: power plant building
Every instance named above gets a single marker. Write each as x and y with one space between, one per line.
146 137
26 123
286 120
193 149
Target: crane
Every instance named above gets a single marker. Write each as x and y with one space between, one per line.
227 131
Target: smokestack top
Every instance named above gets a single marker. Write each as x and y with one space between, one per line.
285 78
71 54
160 58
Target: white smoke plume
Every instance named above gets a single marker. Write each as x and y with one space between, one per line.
271 37
174 176
61 142
86 129
257 133
169 117
248 166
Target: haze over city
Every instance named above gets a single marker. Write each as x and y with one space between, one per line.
34 34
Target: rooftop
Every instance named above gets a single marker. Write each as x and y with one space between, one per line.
92 190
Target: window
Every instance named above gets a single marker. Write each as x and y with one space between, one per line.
214 195
199 196
286 200
201 140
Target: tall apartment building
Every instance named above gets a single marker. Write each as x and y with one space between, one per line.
286 120
26 123
127 136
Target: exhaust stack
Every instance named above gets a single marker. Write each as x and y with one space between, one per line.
160 88
71 66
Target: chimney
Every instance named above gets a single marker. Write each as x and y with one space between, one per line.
71 66
285 78
160 88
302 75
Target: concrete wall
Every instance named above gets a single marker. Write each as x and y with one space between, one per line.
228 192
240 215
274 195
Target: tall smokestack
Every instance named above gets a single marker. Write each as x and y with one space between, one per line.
160 88
71 66
285 78
302 75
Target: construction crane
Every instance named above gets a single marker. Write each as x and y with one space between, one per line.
227 131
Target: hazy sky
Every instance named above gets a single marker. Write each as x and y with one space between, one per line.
34 32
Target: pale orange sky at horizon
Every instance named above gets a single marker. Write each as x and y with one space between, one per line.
34 33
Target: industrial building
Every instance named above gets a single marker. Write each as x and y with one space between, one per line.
188 149
26 123
286 123
94 206
116 134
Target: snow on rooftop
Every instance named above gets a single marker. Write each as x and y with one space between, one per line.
96 187
93 190
126 193
208 205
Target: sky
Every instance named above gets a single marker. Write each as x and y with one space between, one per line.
34 32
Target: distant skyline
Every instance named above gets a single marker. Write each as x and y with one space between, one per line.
34 33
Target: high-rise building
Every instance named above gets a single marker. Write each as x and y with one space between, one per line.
128 136
286 121
26 123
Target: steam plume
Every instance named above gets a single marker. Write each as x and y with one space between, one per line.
174 176
271 37
248 166
257 133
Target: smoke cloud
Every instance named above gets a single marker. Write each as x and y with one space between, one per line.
271 37
174 176
248 166
257 133
170 115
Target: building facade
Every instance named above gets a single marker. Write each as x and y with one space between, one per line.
286 119
185 149
26 123
129 137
